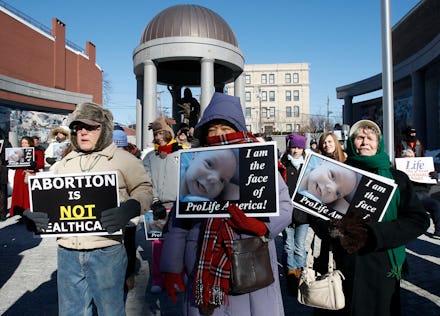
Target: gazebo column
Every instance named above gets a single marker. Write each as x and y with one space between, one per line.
139 101
150 99
239 90
207 83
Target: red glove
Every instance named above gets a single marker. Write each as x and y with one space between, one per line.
170 280
240 222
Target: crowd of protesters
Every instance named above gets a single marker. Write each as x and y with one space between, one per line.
193 257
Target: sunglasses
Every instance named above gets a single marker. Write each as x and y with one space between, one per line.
88 128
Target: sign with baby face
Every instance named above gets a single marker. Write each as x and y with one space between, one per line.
19 157
211 178
329 189
74 202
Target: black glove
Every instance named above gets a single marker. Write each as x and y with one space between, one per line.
36 222
352 230
33 165
51 161
116 218
433 175
159 211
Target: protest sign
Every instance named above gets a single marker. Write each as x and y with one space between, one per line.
59 149
154 227
417 168
330 189
74 202
211 178
19 157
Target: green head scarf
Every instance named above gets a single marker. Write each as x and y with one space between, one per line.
380 163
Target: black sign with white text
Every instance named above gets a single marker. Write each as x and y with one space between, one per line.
74 202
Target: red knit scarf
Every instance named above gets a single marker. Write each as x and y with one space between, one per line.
167 149
214 267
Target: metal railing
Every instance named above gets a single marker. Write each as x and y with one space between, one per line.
38 25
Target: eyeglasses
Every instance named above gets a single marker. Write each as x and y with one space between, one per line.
88 128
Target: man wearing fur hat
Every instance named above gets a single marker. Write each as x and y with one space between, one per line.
161 165
91 269
60 137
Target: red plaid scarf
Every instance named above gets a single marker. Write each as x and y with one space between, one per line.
214 267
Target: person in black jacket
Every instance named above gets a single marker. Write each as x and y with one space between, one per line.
371 255
294 236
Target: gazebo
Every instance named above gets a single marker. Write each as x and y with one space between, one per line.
184 45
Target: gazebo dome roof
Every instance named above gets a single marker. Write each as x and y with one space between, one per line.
188 20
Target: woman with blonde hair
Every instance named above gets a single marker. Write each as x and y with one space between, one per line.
329 146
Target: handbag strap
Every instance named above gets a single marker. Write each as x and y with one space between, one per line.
310 258
331 262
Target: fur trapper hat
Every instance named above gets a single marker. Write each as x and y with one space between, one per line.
162 124
61 129
93 114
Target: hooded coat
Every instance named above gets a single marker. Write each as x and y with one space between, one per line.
50 150
133 181
182 243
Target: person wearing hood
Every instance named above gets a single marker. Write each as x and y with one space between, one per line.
91 269
206 288
411 142
161 164
60 138
371 255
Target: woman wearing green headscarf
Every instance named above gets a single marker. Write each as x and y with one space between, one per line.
371 255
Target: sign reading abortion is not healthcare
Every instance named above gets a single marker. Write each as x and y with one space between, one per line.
74 202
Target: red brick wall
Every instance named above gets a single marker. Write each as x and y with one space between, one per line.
28 55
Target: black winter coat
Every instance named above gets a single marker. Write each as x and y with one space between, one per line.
368 291
299 217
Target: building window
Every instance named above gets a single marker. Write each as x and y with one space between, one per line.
263 112
295 77
288 78
288 95
248 112
271 78
248 96
289 128
288 111
263 78
297 128
271 111
271 96
263 95
247 79
296 111
295 95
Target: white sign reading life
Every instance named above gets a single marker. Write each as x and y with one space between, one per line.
417 168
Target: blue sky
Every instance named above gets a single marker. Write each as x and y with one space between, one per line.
340 39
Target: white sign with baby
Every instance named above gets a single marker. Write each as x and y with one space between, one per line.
211 178
329 189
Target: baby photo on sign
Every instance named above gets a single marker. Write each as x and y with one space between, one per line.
19 156
211 178
330 189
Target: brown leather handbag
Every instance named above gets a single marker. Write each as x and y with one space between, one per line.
250 265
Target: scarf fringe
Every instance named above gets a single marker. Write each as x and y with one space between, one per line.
216 296
396 272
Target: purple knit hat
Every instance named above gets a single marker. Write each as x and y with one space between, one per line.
295 140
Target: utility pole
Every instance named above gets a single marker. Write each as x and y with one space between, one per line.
328 113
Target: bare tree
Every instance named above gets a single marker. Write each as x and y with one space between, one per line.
314 124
